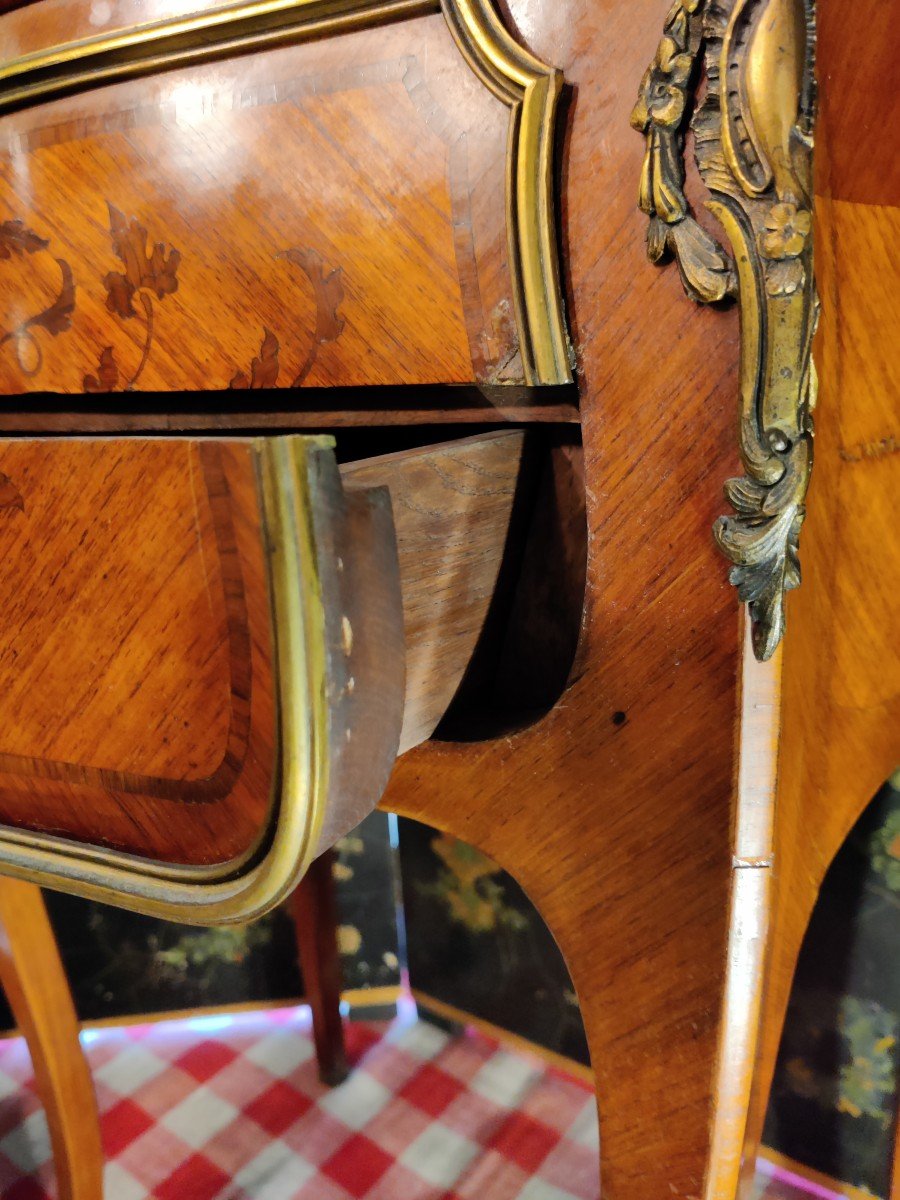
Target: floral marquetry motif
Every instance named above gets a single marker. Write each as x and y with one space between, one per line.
753 140
145 275
403 163
327 325
17 241
328 292
264 367
156 271
152 271
220 236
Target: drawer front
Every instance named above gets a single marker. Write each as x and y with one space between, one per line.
136 659
360 209
189 674
212 651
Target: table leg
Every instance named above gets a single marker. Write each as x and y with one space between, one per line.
32 976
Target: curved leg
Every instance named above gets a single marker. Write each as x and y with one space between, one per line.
659 921
32 977
315 922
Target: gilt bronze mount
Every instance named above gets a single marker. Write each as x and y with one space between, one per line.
754 60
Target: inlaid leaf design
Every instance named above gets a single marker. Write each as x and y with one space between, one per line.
10 496
328 290
107 377
58 317
147 273
263 369
156 271
16 238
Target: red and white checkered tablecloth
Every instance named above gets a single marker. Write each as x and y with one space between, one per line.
231 1108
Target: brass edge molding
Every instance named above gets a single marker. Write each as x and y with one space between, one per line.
531 89
753 144
152 46
234 892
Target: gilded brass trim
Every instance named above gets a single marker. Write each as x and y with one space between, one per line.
753 138
240 890
527 86
531 88
157 45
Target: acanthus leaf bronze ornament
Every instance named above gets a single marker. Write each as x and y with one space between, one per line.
753 140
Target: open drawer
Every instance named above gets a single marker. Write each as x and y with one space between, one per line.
213 649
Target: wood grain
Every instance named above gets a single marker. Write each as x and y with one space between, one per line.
615 811
335 208
35 985
314 910
136 664
136 660
452 509
841 702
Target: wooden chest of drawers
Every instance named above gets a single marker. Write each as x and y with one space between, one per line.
404 225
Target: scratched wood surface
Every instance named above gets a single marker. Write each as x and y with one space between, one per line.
841 708
319 215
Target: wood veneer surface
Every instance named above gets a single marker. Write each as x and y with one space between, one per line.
841 724
136 676
330 213
136 702
38 24
615 812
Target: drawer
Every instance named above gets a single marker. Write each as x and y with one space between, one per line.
213 649
258 195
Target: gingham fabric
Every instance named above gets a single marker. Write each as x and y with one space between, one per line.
232 1109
